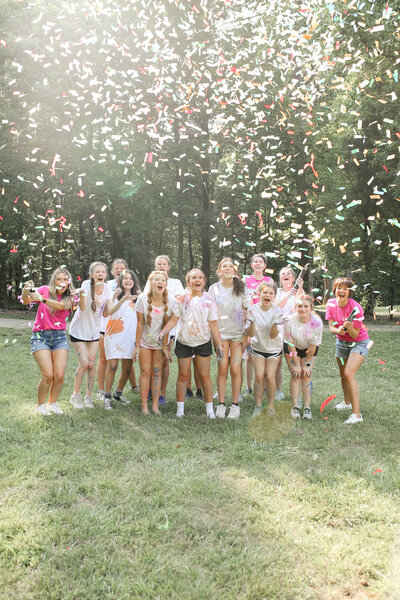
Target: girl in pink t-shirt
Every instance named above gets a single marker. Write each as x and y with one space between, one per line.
258 264
345 318
49 343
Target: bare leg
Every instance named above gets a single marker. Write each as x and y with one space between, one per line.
165 371
354 362
112 366
295 388
126 371
45 364
83 363
249 371
101 364
59 358
258 363
235 369
144 380
271 365
223 372
92 351
157 362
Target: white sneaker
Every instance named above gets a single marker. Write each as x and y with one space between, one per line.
353 419
210 412
234 412
240 397
295 412
52 407
307 413
135 389
221 410
100 395
88 402
279 395
247 392
343 406
107 403
215 396
41 409
76 400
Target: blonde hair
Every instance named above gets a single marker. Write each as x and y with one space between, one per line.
266 284
151 278
190 273
304 298
66 296
116 261
92 269
162 257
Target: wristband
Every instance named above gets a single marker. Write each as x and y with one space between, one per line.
308 364
44 300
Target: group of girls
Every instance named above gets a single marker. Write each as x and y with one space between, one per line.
241 318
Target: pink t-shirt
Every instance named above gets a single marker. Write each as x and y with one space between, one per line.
252 283
45 317
339 315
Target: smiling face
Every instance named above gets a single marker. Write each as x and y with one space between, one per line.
287 278
162 264
226 269
258 265
127 282
118 268
99 275
303 310
159 283
196 281
61 282
267 295
342 293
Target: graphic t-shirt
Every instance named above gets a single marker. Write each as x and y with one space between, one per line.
229 310
339 315
303 335
86 324
151 333
119 339
195 314
46 318
263 322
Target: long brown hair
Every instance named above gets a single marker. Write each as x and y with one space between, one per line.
238 284
151 278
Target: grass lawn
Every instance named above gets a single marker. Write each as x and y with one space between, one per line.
99 505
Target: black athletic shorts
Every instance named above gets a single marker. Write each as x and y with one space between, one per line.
300 353
183 351
74 339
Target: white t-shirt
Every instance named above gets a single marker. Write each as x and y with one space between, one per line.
263 321
113 285
195 314
86 324
150 334
288 309
229 310
119 339
303 335
174 288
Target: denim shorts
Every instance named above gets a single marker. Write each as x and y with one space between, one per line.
344 348
49 339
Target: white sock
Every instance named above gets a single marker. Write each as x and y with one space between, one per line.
180 408
209 408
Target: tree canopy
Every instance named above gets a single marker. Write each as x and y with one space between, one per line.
200 129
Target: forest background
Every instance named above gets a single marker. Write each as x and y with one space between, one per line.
201 129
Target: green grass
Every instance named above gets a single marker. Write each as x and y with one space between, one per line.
116 506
